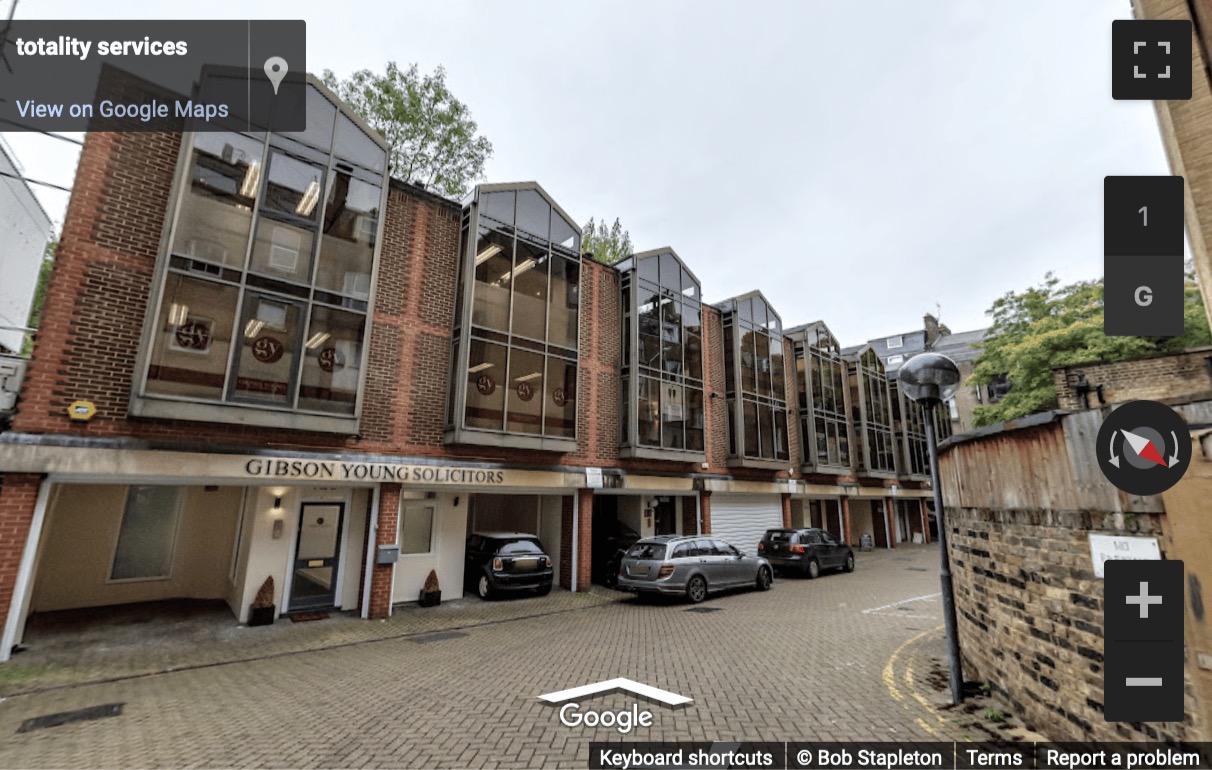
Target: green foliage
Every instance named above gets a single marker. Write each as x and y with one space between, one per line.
431 134
607 244
1050 326
35 308
993 715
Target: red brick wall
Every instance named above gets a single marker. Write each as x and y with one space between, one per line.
18 495
381 578
566 541
584 538
705 505
786 501
690 516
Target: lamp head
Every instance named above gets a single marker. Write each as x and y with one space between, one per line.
929 378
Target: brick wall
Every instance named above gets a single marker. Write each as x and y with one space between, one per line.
1031 616
385 534
1020 505
18 495
1180 377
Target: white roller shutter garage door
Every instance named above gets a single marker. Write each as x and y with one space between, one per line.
743 519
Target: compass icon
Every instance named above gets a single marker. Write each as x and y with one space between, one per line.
1144 447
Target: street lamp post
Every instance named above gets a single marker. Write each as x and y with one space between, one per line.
930 379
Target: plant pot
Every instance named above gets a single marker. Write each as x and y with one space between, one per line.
262 616
430 598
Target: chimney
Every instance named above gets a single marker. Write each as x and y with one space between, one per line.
930 324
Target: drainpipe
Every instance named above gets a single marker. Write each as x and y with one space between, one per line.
576 526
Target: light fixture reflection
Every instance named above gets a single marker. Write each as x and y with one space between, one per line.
479 367
311 196
252 179
318 339
487 254
253 328
177 314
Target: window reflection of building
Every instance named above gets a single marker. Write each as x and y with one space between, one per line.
515 347
271 259
872 409
909 420
823 392
756 382
662 388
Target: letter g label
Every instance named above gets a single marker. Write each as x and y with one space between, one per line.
1144 296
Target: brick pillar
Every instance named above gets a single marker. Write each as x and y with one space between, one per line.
584 538
18 497
890 521
705 505
566 541
921 509
384 574
690 516
846 537
786 510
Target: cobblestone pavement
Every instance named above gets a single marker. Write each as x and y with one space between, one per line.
845 657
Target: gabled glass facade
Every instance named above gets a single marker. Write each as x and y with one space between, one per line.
662 364
262 300
823 401
871 405
909 419
756 382
517 322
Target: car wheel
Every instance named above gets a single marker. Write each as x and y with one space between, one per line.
696 589
764 579
849 566
814 569
484 588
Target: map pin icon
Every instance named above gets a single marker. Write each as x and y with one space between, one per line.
275 70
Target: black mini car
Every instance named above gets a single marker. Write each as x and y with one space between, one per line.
806 551
500 562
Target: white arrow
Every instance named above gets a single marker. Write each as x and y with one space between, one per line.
643 690
1114 457
1174 455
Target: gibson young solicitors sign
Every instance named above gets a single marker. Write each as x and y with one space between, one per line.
334 470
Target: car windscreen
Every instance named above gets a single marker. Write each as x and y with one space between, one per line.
519 546
647 551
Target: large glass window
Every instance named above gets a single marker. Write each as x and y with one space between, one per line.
756 380
147 537
520 370
662 303
872 398
824 423
269 274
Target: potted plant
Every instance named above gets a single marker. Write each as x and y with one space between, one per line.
262 611
431 592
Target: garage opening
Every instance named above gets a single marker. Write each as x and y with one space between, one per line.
538 515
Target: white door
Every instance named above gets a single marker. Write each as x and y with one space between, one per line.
743 519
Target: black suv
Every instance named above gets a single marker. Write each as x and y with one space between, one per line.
497 562
807 551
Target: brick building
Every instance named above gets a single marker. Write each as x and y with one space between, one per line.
262 356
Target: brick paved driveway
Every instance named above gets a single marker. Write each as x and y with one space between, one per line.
831 659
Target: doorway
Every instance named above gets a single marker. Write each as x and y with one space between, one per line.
317 556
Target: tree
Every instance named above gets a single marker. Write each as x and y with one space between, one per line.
607 244
1050 326
35 307
431 134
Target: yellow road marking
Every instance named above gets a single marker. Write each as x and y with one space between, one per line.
895 692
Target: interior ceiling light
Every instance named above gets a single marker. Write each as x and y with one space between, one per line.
177 314
317 339
528 377
488 254
311 196
253 328
252 180
479 367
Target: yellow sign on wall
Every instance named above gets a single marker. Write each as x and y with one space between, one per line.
82 410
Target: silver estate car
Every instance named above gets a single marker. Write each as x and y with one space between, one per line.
690 565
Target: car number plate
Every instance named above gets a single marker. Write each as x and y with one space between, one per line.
525 563
639 570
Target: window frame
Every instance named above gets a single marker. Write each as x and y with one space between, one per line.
228 408
743 317
177 510
456 430
427 505
636 284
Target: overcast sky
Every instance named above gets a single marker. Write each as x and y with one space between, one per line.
857 162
